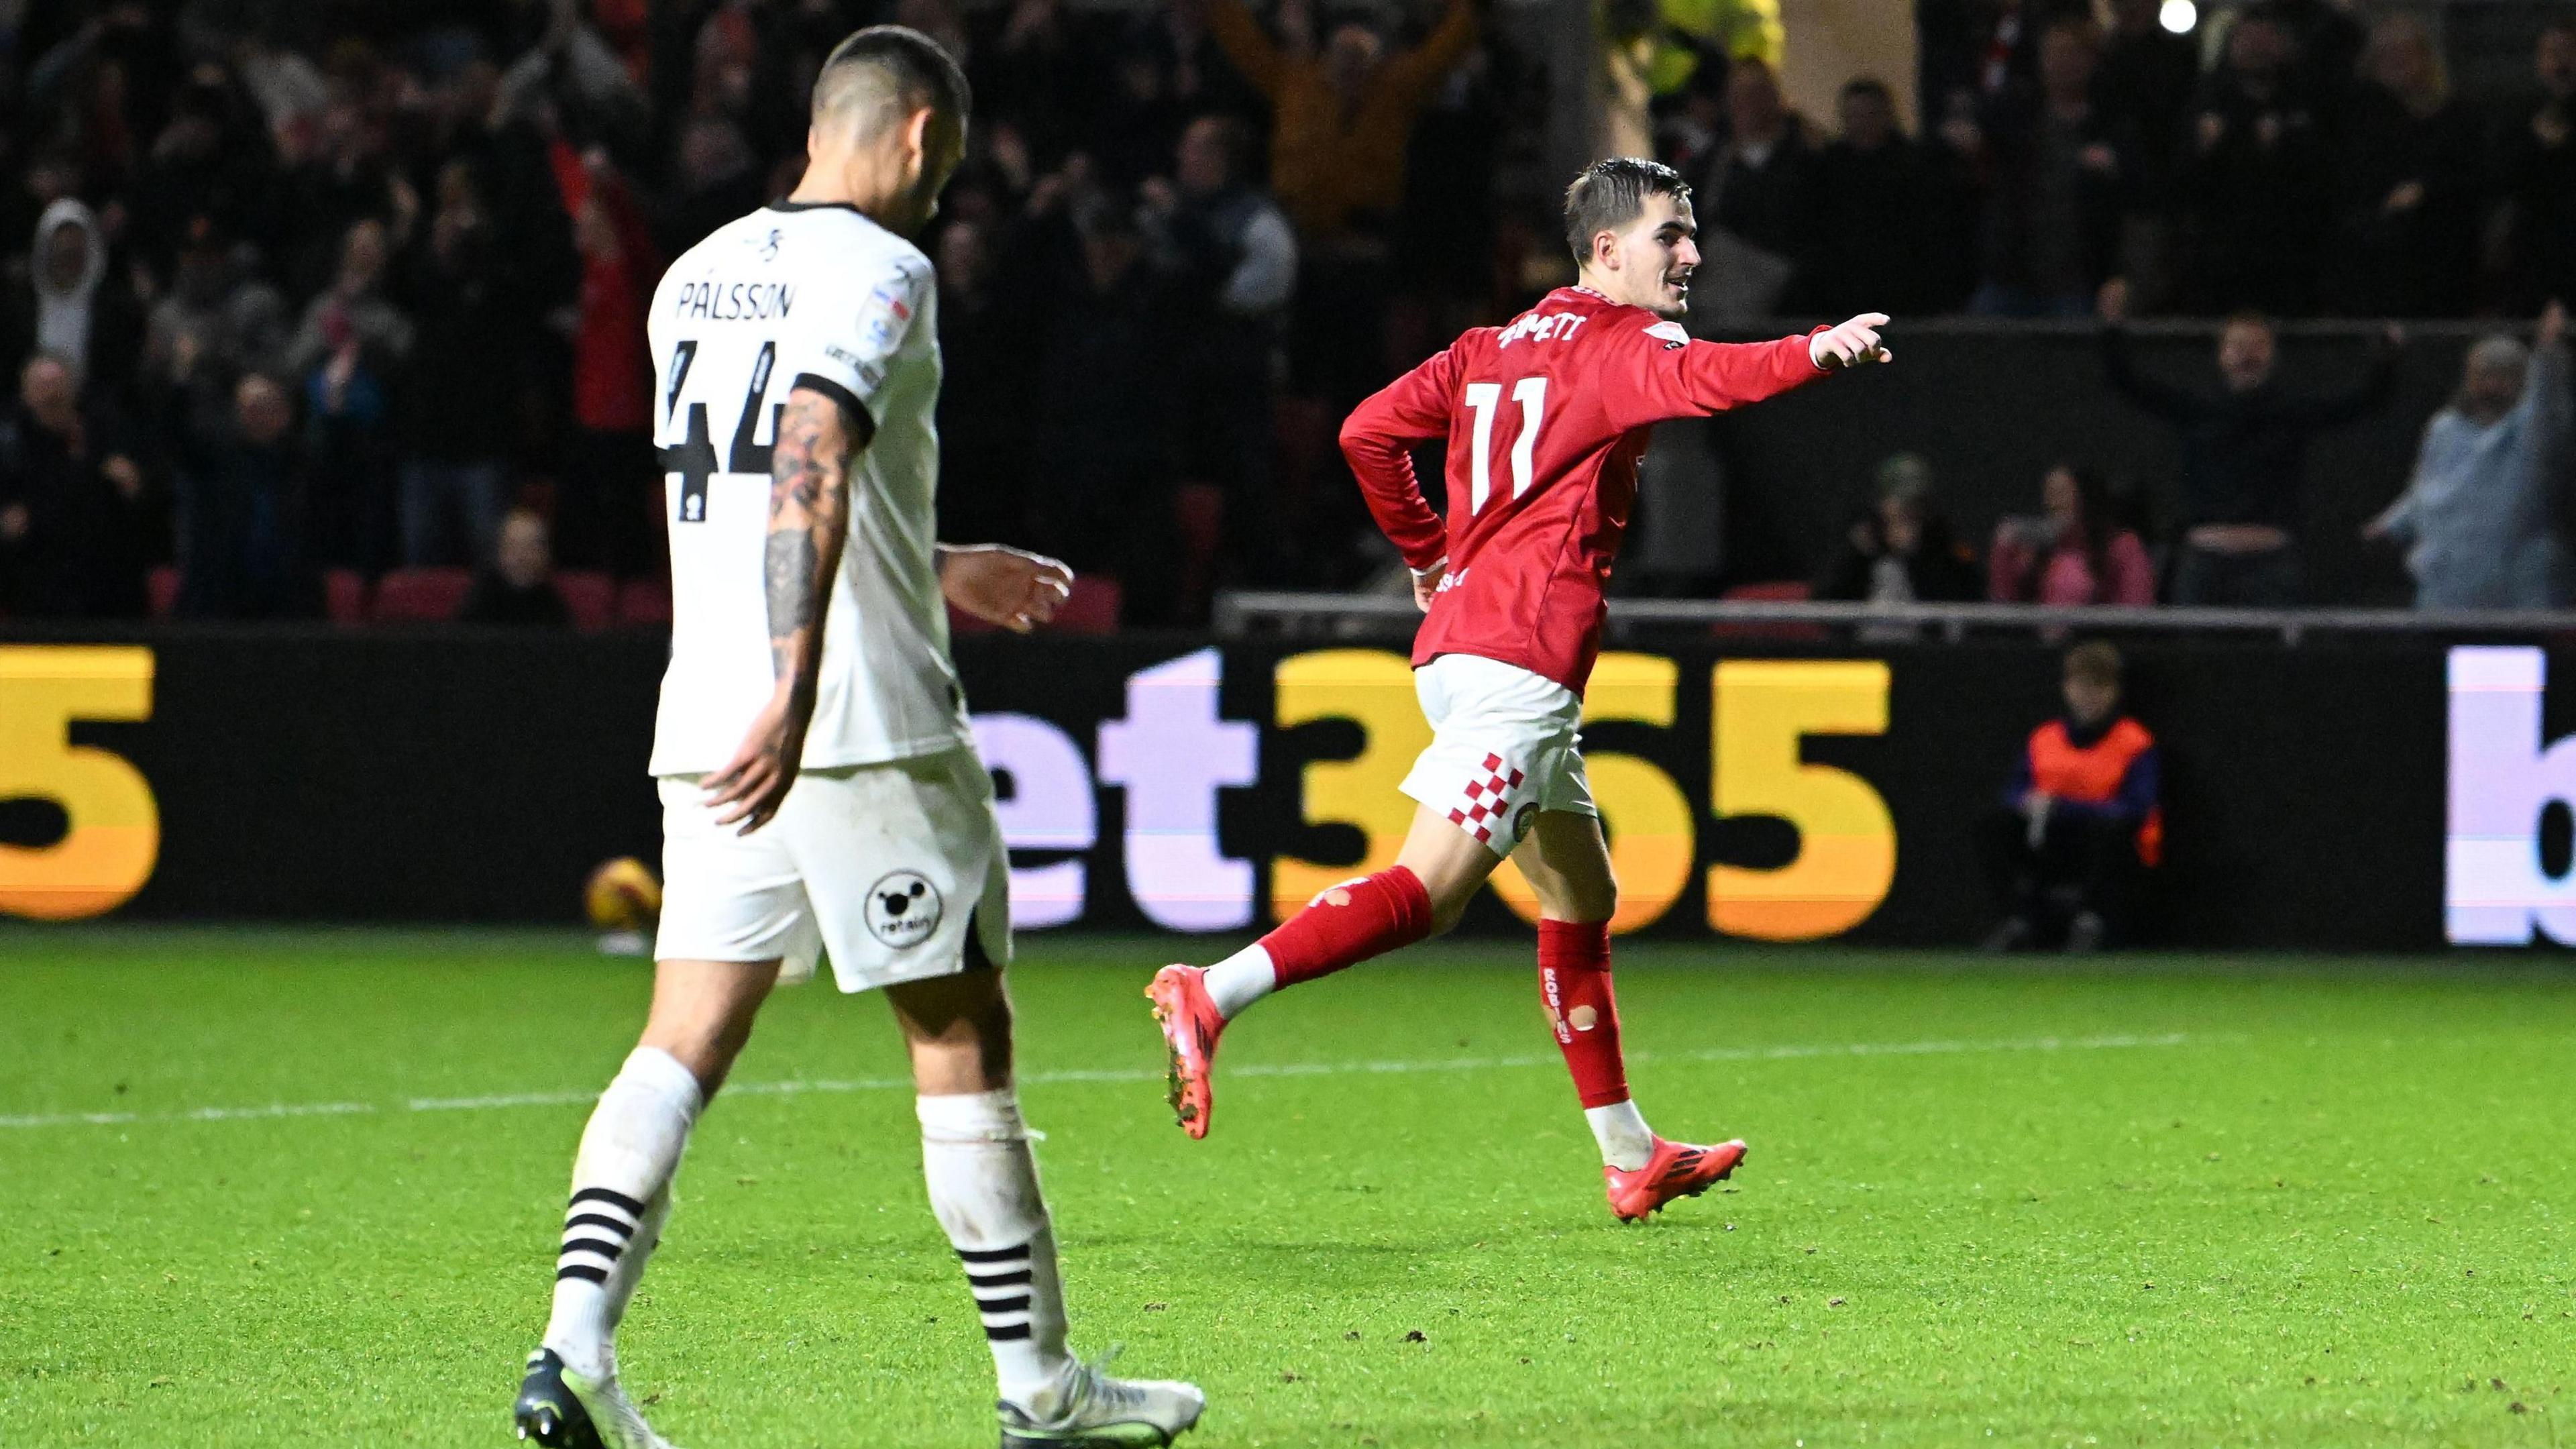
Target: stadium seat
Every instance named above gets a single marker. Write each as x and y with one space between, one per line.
589 596
1093 608
1783 591
161 586
344 596
1198 513
644 603
421 596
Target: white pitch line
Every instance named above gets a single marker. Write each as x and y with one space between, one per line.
799 1087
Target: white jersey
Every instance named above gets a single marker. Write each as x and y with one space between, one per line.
801 295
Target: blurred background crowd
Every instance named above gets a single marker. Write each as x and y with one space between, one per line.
321 308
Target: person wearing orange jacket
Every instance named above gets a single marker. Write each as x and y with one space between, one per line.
2082 821
1342 113
1342 118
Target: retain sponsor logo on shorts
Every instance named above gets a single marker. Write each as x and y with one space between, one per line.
904 909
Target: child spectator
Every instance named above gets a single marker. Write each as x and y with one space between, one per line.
2081 822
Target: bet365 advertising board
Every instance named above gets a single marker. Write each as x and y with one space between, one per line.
2345 795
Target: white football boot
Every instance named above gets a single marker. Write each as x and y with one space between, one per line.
1091 1410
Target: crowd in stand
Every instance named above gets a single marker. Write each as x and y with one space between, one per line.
318 294
2320 166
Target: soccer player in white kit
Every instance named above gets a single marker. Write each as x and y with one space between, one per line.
821 792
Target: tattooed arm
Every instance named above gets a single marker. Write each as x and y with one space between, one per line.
809 518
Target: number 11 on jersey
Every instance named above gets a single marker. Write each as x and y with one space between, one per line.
1482 398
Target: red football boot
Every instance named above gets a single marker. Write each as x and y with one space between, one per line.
1191 1025
1676 1170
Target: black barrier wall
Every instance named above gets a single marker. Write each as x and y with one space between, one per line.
1763 791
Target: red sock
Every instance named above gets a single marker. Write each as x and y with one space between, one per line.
1348 924
1574 984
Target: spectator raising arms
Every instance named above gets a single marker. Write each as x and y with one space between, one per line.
2073 553
1341 118
2476 518
1341 128
2081 820
2244 455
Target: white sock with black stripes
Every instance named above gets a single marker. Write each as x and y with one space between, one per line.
621 1194
984 1190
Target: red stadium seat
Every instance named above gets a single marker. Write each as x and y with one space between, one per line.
1093 608
421 596
1198 512
161 586
344 596
644 603
589 596
1784 591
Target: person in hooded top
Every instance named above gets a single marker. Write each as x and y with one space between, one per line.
73 309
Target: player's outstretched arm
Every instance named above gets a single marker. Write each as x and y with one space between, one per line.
1001 585
1656 372
809 519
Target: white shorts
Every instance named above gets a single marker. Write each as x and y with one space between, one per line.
885 868
1504 746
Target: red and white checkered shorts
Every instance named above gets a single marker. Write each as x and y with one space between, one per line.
1505 745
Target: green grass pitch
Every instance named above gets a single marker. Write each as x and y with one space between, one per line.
303 1188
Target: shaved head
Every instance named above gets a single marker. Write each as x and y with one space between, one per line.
883 76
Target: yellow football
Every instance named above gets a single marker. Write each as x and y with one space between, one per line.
623 895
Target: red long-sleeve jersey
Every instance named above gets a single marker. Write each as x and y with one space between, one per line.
1546 419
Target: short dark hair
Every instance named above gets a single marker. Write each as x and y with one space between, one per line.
1612 193
911 70
2096 661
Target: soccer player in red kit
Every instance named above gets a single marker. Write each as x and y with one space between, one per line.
1545 421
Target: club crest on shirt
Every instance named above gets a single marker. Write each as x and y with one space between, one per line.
1673 334
888 313
904 909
